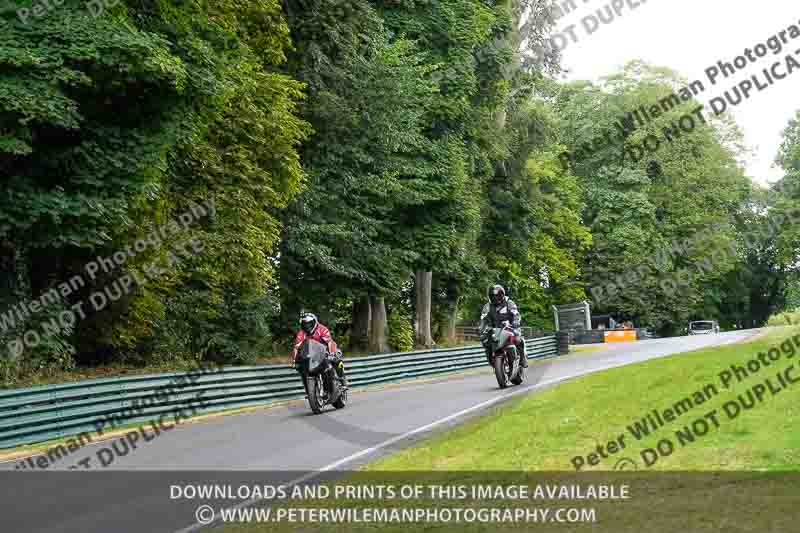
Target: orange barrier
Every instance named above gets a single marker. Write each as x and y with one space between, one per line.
626 335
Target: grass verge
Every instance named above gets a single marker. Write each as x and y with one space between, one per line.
587 348
548 430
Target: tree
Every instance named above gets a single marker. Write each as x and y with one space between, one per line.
459 40
532 237
367 99
111 124
422 284
652 210
378 341
754 288
785 199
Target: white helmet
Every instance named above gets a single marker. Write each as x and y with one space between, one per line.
308 323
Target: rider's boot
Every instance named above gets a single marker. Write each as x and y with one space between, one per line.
523 360
341 374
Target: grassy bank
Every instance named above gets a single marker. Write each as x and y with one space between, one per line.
548 430
587 348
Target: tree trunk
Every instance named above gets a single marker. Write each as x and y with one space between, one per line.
500 119
362 315
422 288
377 329
449 324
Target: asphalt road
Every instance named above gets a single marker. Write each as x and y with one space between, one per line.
132 493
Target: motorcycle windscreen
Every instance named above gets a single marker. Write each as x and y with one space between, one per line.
314 352
501 338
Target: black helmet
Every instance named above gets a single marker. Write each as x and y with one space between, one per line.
308 323
497 294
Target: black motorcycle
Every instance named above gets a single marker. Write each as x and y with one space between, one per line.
322 383
504 358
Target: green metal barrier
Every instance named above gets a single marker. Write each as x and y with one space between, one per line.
47 412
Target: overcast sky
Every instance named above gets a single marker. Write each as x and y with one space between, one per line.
689 36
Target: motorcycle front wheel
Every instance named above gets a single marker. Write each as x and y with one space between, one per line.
315 392
500 371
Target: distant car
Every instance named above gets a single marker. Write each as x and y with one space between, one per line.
645 333
703 327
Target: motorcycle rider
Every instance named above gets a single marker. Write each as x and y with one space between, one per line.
499 312
310 328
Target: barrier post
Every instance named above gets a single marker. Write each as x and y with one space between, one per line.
563 342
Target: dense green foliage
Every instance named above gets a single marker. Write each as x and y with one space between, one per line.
401 334
638 207
110 126
347 145
785 318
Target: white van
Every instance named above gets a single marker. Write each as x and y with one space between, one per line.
703 327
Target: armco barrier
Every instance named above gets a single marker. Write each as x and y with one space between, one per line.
47 412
